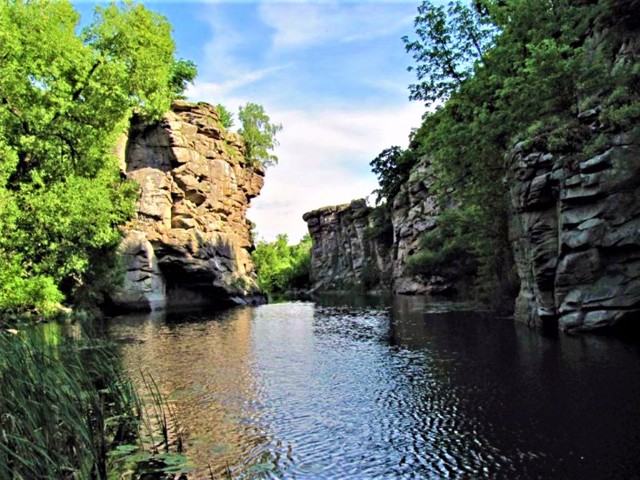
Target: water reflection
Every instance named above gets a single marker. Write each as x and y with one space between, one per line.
204 366
333 389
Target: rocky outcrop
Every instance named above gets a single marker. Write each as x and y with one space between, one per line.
346 251
414 212
575 231
575 216
356 245
190 242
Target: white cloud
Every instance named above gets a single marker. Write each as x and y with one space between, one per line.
302 24
333 103
324 160
222 92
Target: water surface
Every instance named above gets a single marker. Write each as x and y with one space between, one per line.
361 389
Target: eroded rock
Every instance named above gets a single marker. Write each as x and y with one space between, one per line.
577 243
353 246
190 242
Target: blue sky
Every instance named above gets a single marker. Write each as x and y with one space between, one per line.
333 73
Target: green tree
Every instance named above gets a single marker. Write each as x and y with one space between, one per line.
282 267
65 97
226 117
259 134
451 41
183 72
392 167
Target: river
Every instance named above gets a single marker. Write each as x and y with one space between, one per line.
367 388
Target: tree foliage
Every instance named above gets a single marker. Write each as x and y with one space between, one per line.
451 41
226 117
259 134
282 267
65 98
183 72
392 167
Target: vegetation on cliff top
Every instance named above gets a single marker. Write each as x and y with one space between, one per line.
496 72
259 134
65 97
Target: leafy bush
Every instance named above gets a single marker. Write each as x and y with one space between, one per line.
282 267
392 167
226 117
380 227
450 248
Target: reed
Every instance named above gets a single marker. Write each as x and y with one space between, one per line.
67 411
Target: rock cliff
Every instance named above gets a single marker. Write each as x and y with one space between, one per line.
356 245
346 251
575 222
414 212
190 242
575 231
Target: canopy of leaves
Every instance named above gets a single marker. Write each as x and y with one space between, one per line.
451 41
65 98
392 167
282 267
259 134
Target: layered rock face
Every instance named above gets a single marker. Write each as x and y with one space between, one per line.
575 232
190 242
344 252
575 223
414 212
354 245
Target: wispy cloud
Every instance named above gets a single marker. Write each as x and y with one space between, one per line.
224 90
333 74
303 24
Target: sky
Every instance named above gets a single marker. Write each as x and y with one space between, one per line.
333 73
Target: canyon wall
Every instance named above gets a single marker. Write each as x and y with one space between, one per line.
575 231
355 245
573 188
575 222
345 253
190 241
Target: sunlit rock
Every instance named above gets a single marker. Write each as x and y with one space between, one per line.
190 242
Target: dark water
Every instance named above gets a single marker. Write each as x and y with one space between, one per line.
306 391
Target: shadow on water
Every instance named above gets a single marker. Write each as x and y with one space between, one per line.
546 405
370 388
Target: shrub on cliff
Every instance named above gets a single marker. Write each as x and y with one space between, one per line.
226 117
65 97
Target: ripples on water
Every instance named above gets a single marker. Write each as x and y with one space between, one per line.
344 389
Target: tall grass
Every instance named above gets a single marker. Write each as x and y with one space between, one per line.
63 403
68 412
